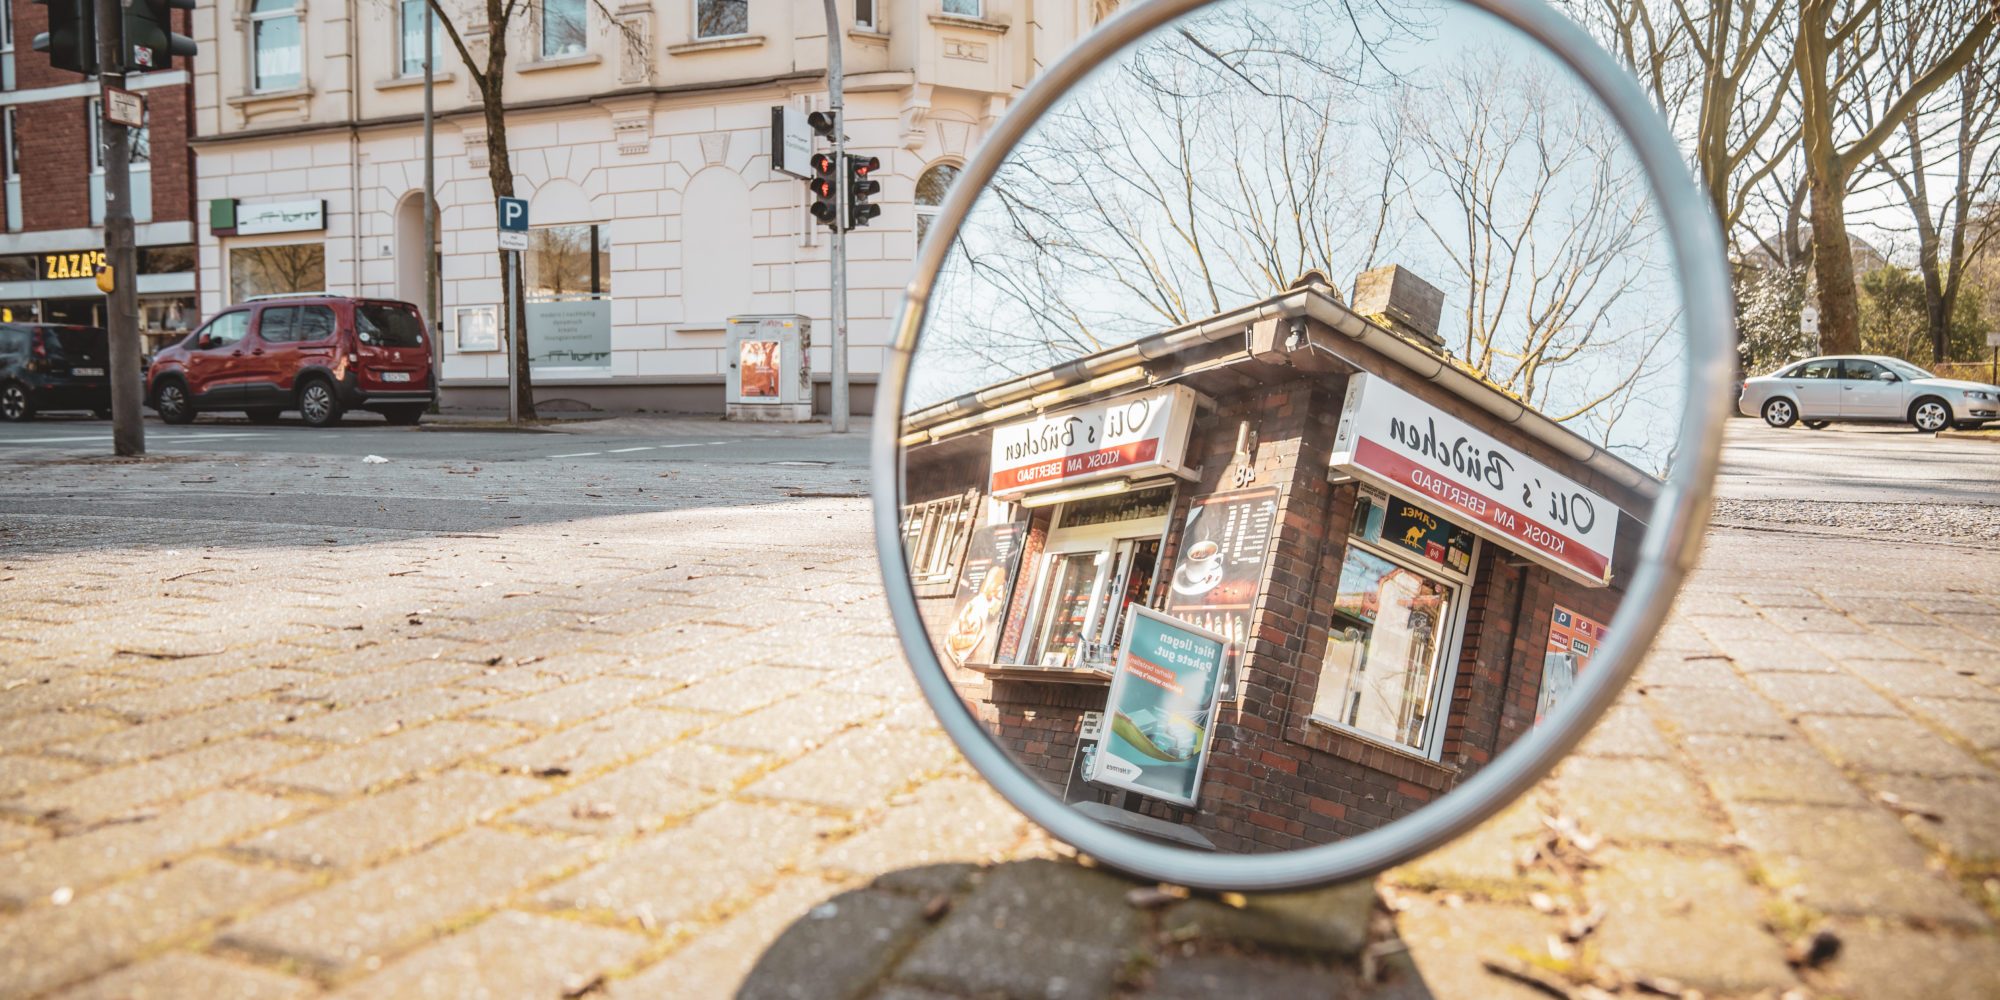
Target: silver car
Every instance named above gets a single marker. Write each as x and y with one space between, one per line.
1855 387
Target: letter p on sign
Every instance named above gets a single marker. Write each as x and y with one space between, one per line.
513 224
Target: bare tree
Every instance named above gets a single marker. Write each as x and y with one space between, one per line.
502 18
1962 124
1852 105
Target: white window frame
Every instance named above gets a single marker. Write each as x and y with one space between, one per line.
1104 539
542 32
10 167
255 19
403 70
874 15
694 30
978 8
1437 718
939 528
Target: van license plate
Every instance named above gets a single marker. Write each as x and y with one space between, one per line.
395 376
87 371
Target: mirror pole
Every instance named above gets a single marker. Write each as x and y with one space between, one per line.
838 247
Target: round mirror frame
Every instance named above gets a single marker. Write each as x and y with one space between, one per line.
1666 553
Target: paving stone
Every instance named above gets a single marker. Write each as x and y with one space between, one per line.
1635 801
509 954
1692 919
379 911
1737 711
1778 655
1855 861
172 699
1977 723
1625 731
1483 860
29 731
838 949
1448 943
1881 961
355 689
363 722
644 794
407 816
153 739
85 860
1964 814
717 963
20 772
678 875
594 745
52 692
1890 746
1329 922
1232 977
576 702
742 690
796 723
857 768
393 758
1031 928
1821 694
183 976
926 880
1909 678
122 790
945 820
1676 670
1753 768
55 946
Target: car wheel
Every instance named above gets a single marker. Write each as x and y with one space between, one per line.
173 404
263 415
1780 412
1814 425
404 416
318 404
1930 414
14 403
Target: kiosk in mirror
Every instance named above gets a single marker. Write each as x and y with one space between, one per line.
1286 418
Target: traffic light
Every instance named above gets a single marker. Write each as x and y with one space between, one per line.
150 42
822 123
859 186
825 189
71 40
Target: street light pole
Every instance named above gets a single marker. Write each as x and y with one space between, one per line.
128 430
839 245
431 303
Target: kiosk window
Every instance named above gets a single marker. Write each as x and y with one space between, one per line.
1101 556
1386 650
933 536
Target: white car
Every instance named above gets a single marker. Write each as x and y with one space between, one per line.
1857 387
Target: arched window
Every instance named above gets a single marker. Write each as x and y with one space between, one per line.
931 189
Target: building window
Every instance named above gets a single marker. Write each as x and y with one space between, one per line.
139 142
931 189
1101 555
567 275
934 534
962 8
10 157
410 37
563 28
721 18
292 269
1393 619
274 45
864 14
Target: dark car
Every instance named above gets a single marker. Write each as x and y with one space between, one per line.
44 366
321 355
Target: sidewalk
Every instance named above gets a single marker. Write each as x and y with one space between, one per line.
671 751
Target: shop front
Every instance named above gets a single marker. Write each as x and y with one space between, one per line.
1388 551
60 286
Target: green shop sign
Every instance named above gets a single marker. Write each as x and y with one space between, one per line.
1161 708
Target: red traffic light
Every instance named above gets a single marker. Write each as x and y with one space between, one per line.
863 165
822 164
820 187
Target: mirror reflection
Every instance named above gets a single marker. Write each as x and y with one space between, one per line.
1286 419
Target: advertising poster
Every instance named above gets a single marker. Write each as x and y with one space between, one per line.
759 366
1159 712
991 557
478 329
1224 545
1573 640
1088 735
570 334
1408 526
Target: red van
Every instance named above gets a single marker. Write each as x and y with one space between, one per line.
321 355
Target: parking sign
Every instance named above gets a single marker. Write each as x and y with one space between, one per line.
513 224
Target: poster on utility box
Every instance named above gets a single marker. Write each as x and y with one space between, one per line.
1160 709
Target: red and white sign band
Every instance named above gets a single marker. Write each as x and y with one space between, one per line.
1144 432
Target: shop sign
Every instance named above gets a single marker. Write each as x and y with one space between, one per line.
1573 640
280 217
1130 435
1413 529
1397 441
1223 547
572 334
991 558
69 265
1161 708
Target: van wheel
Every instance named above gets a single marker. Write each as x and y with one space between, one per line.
1780 412
263 415
318 405
1930 415
404 416
1813 425
14 404
172 403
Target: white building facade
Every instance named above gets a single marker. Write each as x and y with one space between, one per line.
640 135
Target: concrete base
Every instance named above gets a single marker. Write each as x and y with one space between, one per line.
774 413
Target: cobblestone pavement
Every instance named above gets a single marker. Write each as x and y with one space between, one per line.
282 726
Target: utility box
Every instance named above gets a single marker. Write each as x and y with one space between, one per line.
770 368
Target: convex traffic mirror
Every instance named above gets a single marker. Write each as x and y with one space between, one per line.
1301 420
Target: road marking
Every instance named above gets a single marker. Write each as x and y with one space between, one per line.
577 454
621 451
151 437
64 440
